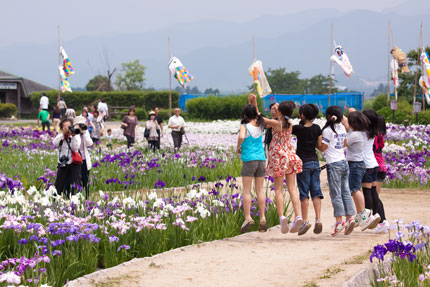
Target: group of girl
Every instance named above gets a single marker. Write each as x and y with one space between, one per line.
361 168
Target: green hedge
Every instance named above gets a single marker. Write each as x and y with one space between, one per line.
218 108
140 99
8 110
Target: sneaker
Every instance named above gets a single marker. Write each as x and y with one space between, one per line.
382 227
338 227
246 226
295 226
284 225
304 228
367 220
349 226
375 222
318 227
357 221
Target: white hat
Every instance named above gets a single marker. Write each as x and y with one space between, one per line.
79 120
151 113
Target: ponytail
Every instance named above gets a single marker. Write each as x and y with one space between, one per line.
334 116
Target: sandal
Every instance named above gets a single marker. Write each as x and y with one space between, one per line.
263 226
246 226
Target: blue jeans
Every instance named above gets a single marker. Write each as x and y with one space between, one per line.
337 175
309 180
357 169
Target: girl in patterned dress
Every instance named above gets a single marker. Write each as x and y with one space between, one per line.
284 163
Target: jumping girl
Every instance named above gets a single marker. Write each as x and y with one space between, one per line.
250 147
333 141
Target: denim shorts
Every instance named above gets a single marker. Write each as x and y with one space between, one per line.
309 180
357 169
381 176
254 168
370 175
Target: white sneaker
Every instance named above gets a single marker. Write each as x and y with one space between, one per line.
375 222
367 220
338 227
349 226
357 221
297 223
382 227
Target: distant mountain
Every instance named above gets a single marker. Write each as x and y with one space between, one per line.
218 53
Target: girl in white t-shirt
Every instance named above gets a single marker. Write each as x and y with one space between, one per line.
371 197
333 142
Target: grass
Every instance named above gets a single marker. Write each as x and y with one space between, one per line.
330 272
310 284
359 259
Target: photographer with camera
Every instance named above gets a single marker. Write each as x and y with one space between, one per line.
68 142
82 124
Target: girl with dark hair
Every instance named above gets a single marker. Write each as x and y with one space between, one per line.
284 163
356 124
98 128
333 141
309 137
250 147
378 145
371 196
130 123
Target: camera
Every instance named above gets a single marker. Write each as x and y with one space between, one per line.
74 130
63 161
83 127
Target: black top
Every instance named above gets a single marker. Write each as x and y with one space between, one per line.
56 115
158 119
307 139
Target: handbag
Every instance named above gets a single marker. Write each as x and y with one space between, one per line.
146 133
182 131
76 158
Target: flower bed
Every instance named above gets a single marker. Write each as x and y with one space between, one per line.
47 240
408 256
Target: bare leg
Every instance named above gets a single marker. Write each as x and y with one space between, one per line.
358 198
294 195
317 207
261 197
304 205
279 186
247 184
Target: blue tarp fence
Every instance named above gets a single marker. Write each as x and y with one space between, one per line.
343 100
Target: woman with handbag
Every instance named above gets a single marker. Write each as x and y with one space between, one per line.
151 133
129 124
68 142
98 128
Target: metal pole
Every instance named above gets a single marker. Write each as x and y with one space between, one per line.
59 64
331 66
392 44
388 69
170 79
418 62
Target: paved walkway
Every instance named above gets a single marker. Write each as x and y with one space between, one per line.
267 259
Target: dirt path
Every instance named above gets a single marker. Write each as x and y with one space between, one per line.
268 259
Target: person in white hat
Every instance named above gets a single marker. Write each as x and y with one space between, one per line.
151 133
86 141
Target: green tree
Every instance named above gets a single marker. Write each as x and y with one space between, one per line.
131 76
99 83
319 84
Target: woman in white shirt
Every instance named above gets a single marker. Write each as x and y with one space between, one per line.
177 124
86 141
